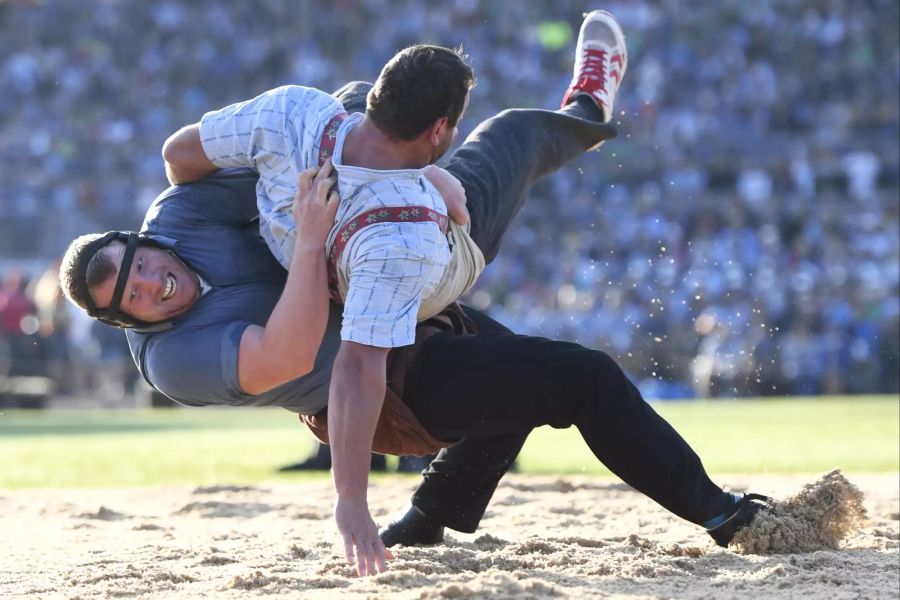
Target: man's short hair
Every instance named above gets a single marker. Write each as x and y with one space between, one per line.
418 86
99 269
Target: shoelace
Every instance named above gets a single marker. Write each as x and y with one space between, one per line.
764 499
593 69
767 503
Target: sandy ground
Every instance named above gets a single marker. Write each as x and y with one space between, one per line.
542 538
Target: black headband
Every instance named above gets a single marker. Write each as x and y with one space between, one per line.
113 315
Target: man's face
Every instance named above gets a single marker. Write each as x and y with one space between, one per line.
450 134
159 285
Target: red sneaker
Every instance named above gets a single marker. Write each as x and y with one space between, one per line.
601 58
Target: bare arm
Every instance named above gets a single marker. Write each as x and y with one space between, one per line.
286 347
354 404
184 156
452 191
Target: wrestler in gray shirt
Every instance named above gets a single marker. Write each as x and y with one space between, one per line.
213 226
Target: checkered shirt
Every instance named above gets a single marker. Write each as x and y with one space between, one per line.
277 134
388 272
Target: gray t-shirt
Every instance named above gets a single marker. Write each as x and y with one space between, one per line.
213 226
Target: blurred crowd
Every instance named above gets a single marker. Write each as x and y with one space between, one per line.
48 347
740 237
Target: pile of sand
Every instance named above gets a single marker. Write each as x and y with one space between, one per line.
819 517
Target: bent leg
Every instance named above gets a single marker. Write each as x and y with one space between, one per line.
458 485
502 384
507 153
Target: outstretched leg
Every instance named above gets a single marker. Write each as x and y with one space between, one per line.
502 158
507 153
458 485
505 384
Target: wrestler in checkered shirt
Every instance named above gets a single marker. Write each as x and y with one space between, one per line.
390 268
389 274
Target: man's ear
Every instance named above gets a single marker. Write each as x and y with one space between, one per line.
438 131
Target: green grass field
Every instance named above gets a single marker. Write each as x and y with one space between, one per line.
203 446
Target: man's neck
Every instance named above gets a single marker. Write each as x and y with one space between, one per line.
368 147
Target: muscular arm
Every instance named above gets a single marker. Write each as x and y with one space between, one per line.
260 134
286 347
380 309
452 191
354 404
184 156
355 398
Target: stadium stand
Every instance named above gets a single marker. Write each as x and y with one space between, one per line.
740 237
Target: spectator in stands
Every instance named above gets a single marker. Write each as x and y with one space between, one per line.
757 170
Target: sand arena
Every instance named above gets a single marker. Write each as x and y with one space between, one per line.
542 538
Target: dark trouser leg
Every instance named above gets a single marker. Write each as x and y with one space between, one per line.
503 385
353 95
320 460
459 483
507 153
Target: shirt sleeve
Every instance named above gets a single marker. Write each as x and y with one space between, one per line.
390 265
261 133
225 198
197 366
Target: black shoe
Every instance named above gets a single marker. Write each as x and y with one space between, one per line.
414 464
412 528
747 508
378 463
313 463
321 461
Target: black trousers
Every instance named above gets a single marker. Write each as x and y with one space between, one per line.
491 389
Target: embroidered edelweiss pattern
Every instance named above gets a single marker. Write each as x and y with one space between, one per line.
398 214
329 137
